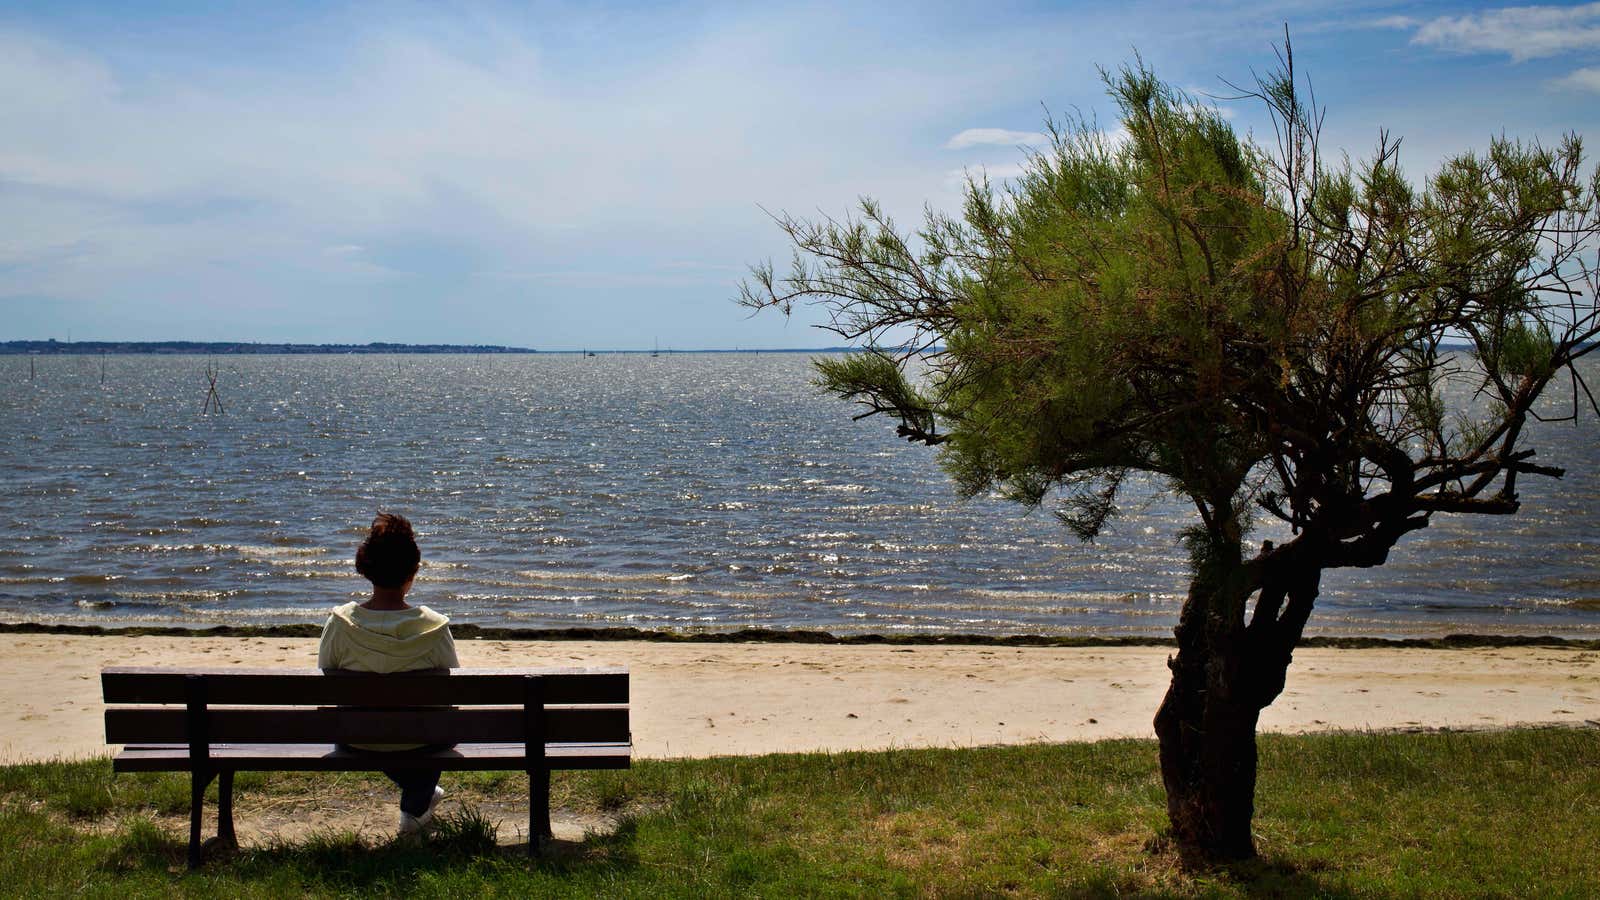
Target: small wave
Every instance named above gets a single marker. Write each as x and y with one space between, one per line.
1588 604
501 600
289 540
601 576
305 573
1118 598
89 579
246 551
183 596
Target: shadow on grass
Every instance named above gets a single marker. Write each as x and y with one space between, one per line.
461 845
1267 875
1276 877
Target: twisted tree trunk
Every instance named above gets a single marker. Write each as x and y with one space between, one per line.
1223 675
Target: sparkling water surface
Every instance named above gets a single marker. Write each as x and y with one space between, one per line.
686 492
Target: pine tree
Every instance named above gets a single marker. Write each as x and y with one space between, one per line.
1264 332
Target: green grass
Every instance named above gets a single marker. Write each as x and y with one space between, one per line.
1453 814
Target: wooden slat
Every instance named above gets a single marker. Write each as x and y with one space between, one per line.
327 758
167 725
312 687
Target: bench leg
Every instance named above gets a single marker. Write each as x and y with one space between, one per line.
538 810
197 803
225 808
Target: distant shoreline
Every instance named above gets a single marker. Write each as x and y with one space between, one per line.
246 348
470 632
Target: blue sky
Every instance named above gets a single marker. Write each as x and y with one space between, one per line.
593 174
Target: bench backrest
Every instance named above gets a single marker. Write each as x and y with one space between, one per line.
292 706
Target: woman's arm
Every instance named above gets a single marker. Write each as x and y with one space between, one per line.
328 649
446 654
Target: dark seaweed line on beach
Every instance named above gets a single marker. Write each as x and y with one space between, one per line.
784 636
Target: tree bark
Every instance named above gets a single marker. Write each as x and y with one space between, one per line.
1223 675
1208 763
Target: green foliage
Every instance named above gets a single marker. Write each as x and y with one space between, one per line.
876 380
1249 326
1525 349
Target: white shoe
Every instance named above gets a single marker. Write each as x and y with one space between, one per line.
410 824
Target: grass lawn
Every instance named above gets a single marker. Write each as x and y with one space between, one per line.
1513 813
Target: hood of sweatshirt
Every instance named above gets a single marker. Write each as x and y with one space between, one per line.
392 632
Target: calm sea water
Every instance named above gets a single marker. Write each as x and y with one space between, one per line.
688 491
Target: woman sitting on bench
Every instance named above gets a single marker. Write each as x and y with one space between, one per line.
385 634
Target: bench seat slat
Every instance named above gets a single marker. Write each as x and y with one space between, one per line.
314 757
269 725
313 687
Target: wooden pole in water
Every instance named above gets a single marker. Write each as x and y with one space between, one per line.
31 375
102 367
212 397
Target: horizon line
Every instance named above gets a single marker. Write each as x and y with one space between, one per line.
54 346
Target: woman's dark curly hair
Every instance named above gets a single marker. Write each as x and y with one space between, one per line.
389 556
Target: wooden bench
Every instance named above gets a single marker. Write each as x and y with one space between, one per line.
215 722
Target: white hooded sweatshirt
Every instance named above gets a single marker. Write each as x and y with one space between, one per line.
387 640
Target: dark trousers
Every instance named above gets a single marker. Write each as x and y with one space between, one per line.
416 785
416 788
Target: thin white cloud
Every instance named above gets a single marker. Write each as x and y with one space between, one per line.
994 173
997 172
701 266
1585 79
978 137
1521 32
598 278
1396 22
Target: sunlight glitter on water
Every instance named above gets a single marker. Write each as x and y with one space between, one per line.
697 491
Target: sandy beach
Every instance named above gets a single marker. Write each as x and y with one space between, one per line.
693 700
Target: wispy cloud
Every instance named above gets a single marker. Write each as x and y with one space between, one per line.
1397 22
997 172
592 169
1585 79
992 173
1521 32
979 137
406 160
